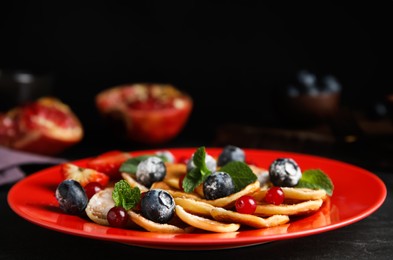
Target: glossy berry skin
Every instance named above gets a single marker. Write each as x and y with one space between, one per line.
284 172
150 170
117 217
274 195
72 197
158 206
92 188
218 185
230 153
211 163
246 204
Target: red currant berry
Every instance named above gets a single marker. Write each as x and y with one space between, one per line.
246 204
117 217
275 195
92 188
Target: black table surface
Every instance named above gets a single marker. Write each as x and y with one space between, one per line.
369 238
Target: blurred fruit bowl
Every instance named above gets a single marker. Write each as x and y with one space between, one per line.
313 108
145 113
310 99
46 126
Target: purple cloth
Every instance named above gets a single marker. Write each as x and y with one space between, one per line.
10 160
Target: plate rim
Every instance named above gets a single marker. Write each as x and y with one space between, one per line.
182 241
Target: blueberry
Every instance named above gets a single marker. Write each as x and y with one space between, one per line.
263 178
218 185
284 172
306 83
72 197
211 163
150 170
169 157
157 205
230 153
330 84
306 79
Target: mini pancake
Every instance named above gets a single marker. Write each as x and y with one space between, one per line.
133 183
173 182
161 185
199 190
195 207
224 215
153 226
301 208
174 192
182 194
205 223
292 193
175 169
229 201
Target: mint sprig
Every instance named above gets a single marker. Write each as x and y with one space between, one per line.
130 165
126 196
316 179
240 172
199 173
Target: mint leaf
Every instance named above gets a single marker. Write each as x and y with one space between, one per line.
192 180
199 159
131 164
241 174
125 196
198 174
316 179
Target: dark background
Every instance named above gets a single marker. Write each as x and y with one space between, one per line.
229 55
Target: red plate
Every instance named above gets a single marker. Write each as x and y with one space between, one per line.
33 199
